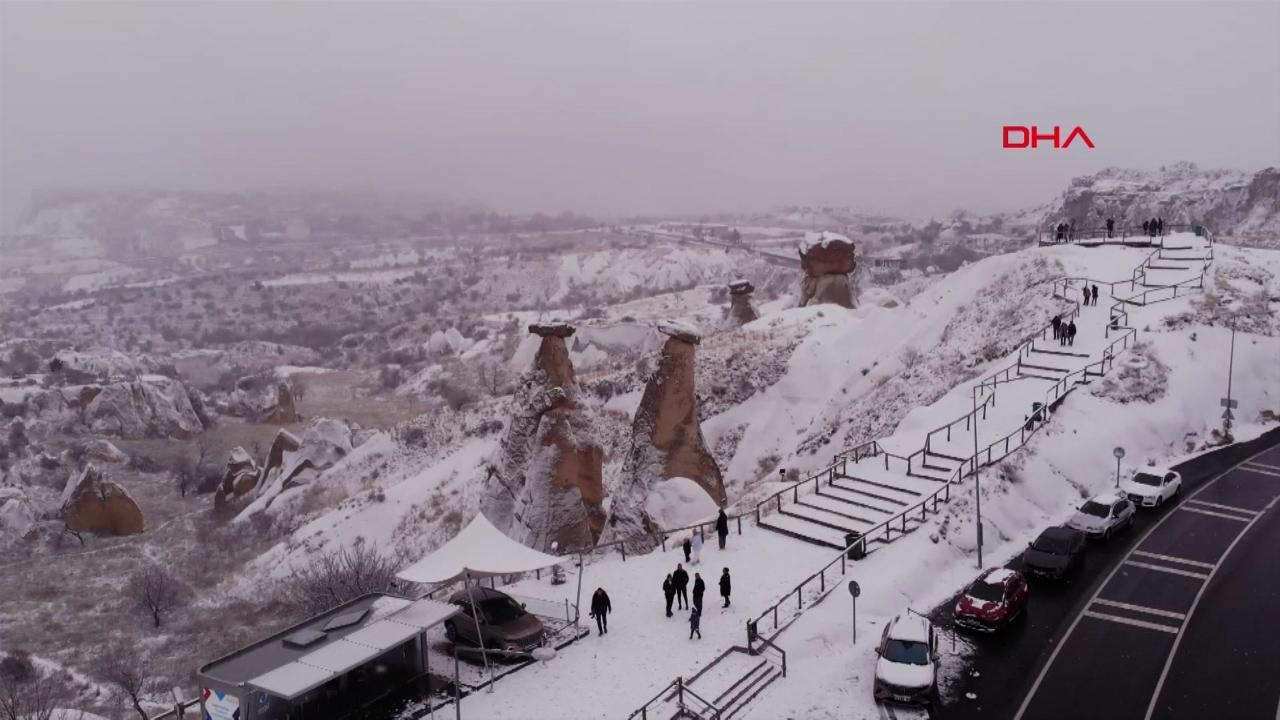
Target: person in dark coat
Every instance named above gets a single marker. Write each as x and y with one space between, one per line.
1062 334
699 589
680 581
1071 333
1160 226
600 609
695 624
722 527
1146 227
1095 295
1086 295
1057 326
688 549
1111 227
668 592
1071 231
725 586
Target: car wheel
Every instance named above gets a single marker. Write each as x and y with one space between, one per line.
1159 502
1106 536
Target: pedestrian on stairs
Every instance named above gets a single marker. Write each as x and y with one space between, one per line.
600 609
699 589
697 547
1160 226
695 624
1095 295
669 592
680 581
725 586
722 527
1071 333
688 549
1057 327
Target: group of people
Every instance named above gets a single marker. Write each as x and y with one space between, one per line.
1153 227
1064 332
676 589
1090 295
1065 231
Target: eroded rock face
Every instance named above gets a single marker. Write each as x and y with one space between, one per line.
285 411
93 503
546 486
153 406
666 439
17 516
294 461
241 474
740 311
827 260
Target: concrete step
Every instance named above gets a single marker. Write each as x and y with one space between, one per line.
1057 350
870 504
900 493
864 512
750 691
803 530
921 471
1045 368
825 518
1039 376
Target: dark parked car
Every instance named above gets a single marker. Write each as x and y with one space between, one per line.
1057 554
994 600
504 623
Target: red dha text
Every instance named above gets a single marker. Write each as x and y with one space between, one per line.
1018 136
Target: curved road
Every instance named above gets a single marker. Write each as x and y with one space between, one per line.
1179 620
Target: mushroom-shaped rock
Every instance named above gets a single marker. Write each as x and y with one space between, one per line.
740 310
666 441
553 355
553 328
680 330
827 258
92 502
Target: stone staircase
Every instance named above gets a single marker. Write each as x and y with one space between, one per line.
719 691
882 495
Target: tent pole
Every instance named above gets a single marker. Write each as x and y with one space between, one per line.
475 615
577 610
457 686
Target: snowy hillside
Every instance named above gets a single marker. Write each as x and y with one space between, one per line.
1241 207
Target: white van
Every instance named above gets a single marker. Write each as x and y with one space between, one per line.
907 671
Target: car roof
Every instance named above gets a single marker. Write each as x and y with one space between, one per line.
1162 471
477 594
910 627
1059 532
1108 498
998 576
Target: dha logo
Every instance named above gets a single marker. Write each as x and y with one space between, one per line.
1018 136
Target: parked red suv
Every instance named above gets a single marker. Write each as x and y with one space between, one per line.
991 602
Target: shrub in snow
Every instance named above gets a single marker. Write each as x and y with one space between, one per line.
1139 377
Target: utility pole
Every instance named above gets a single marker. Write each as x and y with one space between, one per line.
977 487
1228 403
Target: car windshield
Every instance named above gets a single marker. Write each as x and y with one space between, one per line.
501 610
1095 509
1050 544
907 652
1147 479
986 591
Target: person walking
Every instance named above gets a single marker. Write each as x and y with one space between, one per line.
668 592
688 549
600 609
1062 334
1146 227
695 624
699 589
1086 295
1111 227
1071 333
725 586
697 547
1095 295
1057 326
680 581
722 527
1160 226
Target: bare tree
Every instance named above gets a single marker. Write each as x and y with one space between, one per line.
129 674
26 693
191 470
342 575
491 375
156 590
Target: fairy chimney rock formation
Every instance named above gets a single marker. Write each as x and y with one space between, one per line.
547 484
285 411
666 438
92 502
827 260
740 310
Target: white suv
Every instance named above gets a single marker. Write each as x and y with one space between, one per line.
907 671
1152 487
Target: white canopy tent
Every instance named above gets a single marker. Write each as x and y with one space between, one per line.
481 550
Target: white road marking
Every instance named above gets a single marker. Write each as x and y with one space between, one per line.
1202 511
1162 568
1057 648
1265 466
1130 621
1170 558
1232 508
1140 608
1260 471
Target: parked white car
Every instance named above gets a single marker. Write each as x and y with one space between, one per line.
1103 516
1152 487
907 671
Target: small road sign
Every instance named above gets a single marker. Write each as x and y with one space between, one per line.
1230 403
1228 415
1118 452
854 590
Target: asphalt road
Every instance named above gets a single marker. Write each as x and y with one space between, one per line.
1179 617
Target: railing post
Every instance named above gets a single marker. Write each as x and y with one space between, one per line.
740 520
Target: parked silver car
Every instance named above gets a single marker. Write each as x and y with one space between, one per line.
1103 516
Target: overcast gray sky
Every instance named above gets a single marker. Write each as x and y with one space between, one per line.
631 108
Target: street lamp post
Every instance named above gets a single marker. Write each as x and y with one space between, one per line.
977 488
1119 453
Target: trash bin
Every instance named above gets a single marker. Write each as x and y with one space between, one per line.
1199 230
1037 411
857 547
